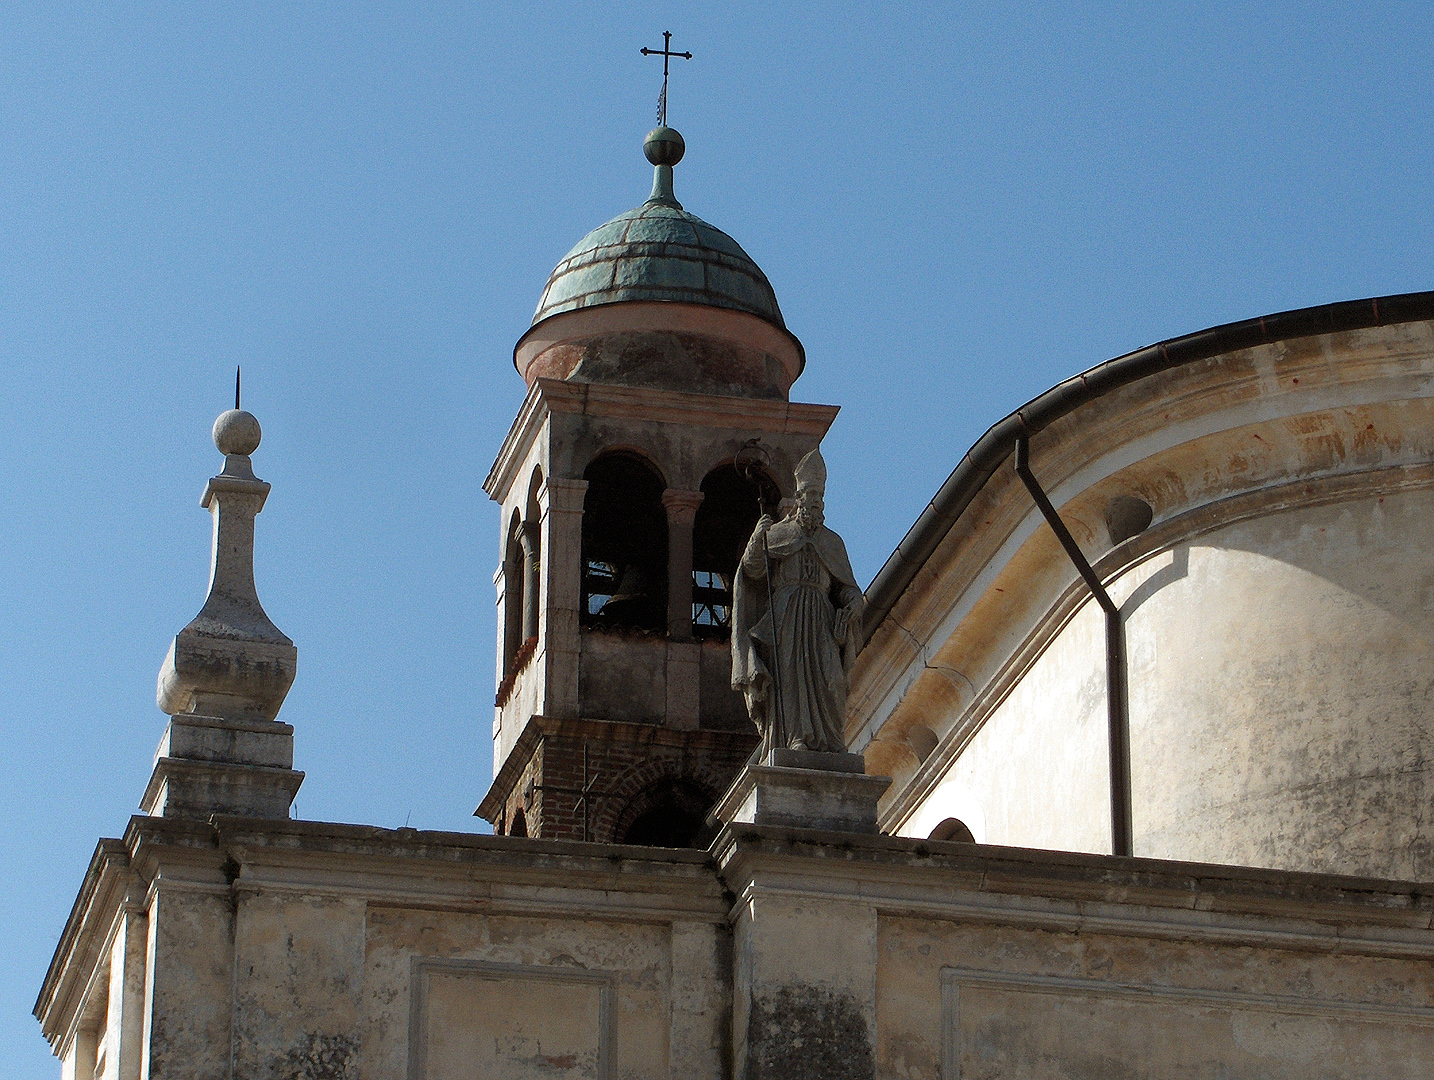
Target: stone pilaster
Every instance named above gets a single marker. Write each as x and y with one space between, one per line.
804 981
684 653
561 503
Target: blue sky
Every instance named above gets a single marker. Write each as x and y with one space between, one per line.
958 206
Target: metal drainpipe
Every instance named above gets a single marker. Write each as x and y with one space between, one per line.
1117 692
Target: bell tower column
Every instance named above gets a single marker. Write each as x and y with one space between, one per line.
681 509
528 540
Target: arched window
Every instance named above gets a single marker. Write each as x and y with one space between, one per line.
514 575
671 813
953 829
724 524
624 545
519 825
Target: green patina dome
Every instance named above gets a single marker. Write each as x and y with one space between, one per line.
659 252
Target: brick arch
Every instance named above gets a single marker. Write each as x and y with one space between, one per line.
637 787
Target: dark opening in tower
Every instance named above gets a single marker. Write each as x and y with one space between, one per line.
514 573
624 582
731 505
671 813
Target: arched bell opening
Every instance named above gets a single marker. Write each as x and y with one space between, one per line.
624 575
732 501
514 588
531 539
671 813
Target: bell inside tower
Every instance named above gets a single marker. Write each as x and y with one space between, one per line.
624 545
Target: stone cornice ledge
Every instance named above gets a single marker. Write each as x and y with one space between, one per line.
993 448
648 405
108 884
1082 892
409 867
531 414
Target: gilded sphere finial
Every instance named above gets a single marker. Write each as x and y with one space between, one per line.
237 432
664 146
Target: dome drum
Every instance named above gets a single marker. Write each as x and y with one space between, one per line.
671 346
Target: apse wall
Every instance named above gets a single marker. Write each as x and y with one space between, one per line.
1278 610
1281 679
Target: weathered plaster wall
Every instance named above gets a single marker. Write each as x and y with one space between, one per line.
1282 694
189 983
300 962
523 997
1011 1001
1281 673
1037 769
284 950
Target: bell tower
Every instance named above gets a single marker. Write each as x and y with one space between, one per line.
656 427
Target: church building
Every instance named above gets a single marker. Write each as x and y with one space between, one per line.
1138 729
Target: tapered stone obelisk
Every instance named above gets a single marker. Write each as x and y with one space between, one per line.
228 671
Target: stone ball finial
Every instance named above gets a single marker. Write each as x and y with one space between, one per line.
237 432
664 146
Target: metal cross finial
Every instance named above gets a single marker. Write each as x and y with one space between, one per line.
666 53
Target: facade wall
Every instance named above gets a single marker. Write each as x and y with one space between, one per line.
341 953
283 950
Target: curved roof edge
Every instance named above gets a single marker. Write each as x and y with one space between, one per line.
998 443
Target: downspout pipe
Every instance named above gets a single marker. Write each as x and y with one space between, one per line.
1117 690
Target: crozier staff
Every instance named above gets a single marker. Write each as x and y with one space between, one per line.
810 627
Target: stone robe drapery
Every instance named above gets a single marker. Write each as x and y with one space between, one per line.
814 632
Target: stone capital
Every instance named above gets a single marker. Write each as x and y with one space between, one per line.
528 539
563 495
681 505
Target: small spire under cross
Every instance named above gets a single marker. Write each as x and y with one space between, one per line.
667 54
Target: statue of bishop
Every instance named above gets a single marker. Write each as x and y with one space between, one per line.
796 623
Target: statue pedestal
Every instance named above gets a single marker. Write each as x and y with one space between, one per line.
805 790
